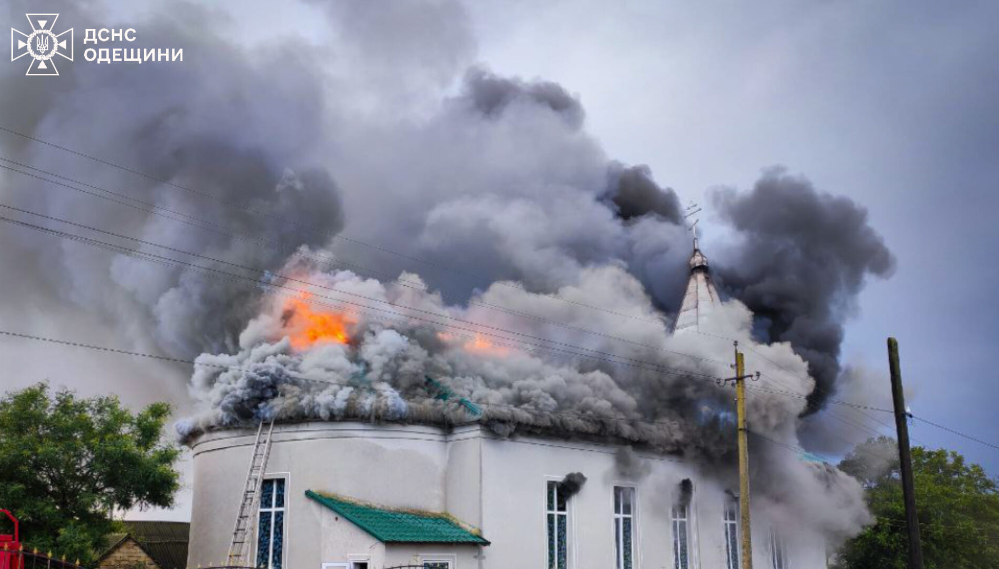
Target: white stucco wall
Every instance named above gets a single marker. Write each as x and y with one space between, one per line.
495 484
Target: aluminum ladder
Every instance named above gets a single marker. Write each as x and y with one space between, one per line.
251 493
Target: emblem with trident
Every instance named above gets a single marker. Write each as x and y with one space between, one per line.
41 44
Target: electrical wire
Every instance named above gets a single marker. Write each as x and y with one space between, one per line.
875 432
195 221
204 224
320 231
858 408
618 359
290 375
958 433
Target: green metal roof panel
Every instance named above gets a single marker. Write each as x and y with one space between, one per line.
399 526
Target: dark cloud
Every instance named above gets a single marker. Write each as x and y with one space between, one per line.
801 259
634 193
492 94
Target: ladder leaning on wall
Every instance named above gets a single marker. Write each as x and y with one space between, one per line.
251 492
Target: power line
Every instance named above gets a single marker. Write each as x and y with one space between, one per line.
204 224
618 360
290 375
843 419
320 231
640 364
795 449
958 433
211 226
340 262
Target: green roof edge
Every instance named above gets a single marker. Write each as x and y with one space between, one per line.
335 504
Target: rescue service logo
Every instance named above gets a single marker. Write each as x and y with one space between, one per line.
42 44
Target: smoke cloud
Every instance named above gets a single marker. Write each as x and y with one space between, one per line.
634 193
801 259
220 124
571 484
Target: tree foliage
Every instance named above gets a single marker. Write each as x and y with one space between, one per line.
66 463
957 504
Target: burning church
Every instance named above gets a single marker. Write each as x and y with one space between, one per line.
464 319
388 467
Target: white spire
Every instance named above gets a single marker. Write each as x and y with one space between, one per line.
701 297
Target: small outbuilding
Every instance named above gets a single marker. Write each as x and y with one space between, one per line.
147 545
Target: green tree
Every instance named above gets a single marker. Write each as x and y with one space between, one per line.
66 463
957 504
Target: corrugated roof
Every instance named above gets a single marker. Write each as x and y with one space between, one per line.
165 542
399 526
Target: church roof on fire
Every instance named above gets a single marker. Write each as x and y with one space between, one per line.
399 526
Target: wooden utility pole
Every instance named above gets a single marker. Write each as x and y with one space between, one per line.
740 399
740 406
905 458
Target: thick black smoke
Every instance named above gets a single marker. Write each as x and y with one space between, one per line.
686 492
571 484
634 193
801 259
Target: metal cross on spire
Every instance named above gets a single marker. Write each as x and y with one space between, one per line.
693 209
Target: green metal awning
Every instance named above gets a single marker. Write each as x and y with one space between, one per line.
399 526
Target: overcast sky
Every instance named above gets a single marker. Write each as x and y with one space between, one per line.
894 105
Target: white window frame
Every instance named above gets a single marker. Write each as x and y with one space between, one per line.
777 541
731 527
675 520
286 476
569 557
348 565
449 558
619 527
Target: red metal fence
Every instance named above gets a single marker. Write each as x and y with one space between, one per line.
13 555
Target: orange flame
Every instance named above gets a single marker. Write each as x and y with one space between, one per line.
306 327
476 345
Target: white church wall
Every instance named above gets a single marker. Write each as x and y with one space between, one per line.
339 541
495 484
397 465
460 556
515 473
463 491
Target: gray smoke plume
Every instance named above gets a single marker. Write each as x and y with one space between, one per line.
801 259
217 124
491 95
629 465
